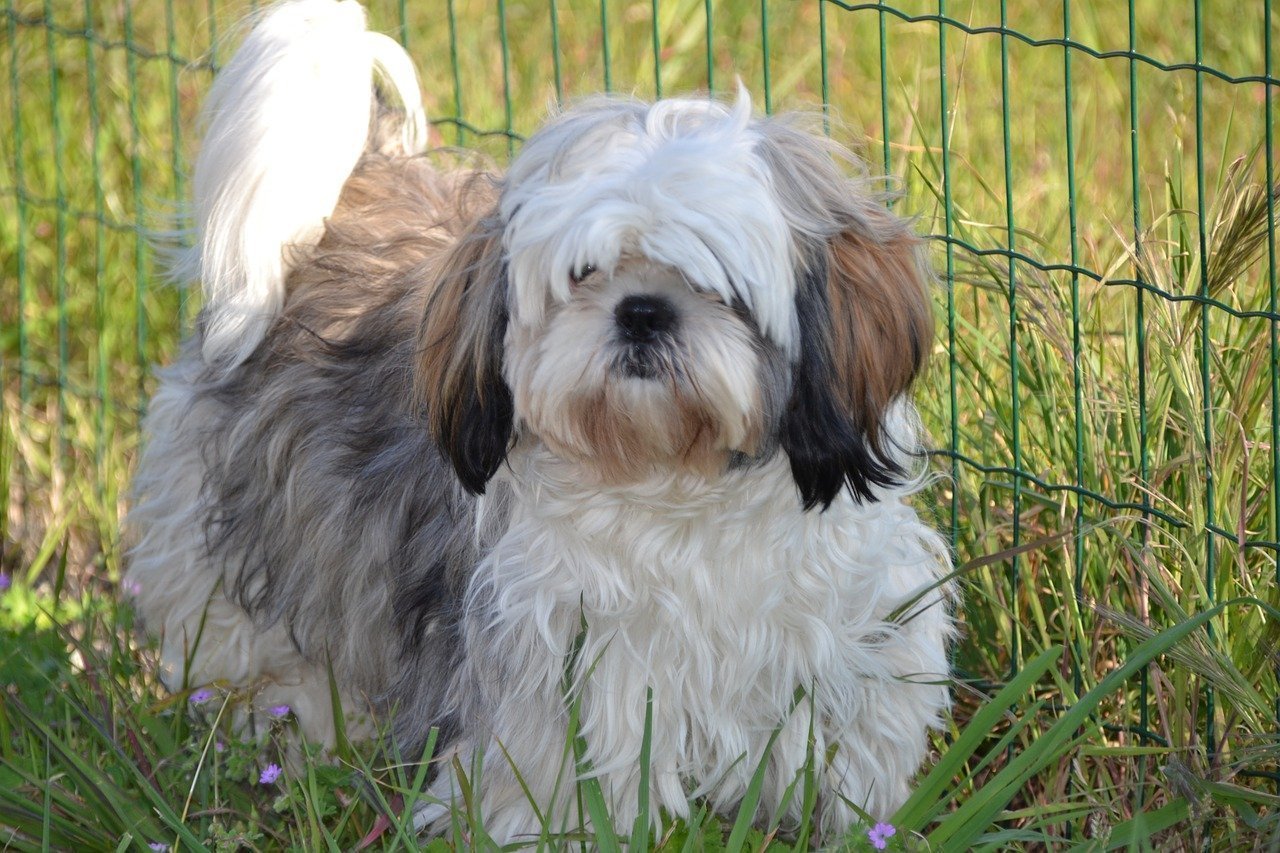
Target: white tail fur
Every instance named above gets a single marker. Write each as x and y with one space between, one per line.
285 123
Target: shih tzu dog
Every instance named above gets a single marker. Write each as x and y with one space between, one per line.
628 421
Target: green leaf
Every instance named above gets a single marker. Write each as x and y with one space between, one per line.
1135 833
963 826
640 828
747 808
927 800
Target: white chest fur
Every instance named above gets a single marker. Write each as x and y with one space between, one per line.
726 600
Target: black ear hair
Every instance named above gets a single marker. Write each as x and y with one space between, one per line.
469 406
480 427
827 445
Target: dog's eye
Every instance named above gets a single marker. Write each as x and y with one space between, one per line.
576 276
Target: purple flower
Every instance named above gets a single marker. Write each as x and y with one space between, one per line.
159 846
131 587
269 774
5 581
880 834
278 710
219 746
204 694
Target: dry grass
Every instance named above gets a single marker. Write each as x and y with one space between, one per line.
1143 423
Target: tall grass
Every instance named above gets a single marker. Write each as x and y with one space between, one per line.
1103 395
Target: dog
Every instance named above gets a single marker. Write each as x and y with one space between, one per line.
626 432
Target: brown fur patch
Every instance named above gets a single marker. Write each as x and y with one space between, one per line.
458 333
882 320
394 214
460 348
880 314
621 447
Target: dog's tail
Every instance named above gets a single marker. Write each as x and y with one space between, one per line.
285 123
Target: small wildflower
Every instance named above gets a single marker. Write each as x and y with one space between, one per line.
880 834
204 694
278 710
269 774
5 581
131 586
159 846
219 746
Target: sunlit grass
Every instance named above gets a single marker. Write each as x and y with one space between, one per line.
1070 364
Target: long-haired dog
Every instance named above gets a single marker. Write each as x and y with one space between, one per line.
628 421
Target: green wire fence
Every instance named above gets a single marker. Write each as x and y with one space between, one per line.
1105 392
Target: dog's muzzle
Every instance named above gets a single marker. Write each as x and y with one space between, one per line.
646 325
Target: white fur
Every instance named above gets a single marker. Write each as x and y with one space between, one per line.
285 122
680 184
722 597
574 347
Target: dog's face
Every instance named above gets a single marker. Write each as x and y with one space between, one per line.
678 287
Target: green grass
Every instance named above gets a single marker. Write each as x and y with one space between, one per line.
1110 446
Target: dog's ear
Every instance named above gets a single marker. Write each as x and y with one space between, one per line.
460 345
863 316
865 324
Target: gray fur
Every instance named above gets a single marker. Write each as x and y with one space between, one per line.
328 506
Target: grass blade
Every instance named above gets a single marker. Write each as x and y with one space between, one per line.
747 808
926 801
962 827
1135 833
640 829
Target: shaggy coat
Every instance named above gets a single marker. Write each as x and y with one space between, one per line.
631 420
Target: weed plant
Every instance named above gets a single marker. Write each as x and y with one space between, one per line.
1104 400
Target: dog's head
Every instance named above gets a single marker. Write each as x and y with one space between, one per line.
679 286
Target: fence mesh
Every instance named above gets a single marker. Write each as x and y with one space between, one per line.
1105 393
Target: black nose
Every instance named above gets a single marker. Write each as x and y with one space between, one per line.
645 318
